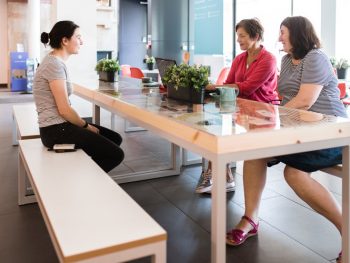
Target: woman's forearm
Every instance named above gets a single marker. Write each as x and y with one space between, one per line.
70 115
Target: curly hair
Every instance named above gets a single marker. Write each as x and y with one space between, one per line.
302 36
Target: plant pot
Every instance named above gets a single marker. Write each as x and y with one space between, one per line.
186 94
150 66
197 96
341 73
178 94
108 76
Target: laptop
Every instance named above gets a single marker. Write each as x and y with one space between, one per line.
163 64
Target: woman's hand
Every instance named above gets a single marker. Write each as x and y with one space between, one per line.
92 128
211 87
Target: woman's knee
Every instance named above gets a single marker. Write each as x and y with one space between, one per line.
293 176
120 155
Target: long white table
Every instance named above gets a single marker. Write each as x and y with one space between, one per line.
254 130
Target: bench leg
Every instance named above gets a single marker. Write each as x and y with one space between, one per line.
23 197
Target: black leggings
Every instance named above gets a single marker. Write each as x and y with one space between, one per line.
104 148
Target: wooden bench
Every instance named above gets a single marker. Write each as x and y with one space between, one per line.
89 217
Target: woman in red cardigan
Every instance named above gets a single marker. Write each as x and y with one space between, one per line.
254 73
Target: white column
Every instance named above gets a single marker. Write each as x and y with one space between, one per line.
84 63
33 29
328 26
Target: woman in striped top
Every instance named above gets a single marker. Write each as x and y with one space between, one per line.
59 123
306 82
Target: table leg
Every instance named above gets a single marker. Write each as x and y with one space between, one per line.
112 121
218 212
345 204
96 114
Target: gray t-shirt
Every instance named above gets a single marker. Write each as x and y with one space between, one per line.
51 68
314 68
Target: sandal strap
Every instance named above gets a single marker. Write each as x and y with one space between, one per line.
339 256
251 222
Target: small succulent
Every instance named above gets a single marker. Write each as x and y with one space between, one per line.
150 60
341 64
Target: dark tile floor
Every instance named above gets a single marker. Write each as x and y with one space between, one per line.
289 230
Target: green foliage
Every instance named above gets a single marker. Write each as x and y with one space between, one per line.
187 76
107 65
342 63
150 60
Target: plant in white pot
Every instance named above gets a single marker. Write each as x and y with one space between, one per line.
150 61
107 69
186 82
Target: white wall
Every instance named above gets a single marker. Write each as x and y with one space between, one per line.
4 60
342 29
83 13
328 25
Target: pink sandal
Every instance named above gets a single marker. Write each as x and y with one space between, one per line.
338 260
237 237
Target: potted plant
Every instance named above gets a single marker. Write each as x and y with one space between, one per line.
150 61
186 82
340 66
107 69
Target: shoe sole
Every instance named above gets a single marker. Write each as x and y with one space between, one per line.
228 190
238 244
203 190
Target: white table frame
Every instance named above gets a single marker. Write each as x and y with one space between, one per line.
225 149
175 161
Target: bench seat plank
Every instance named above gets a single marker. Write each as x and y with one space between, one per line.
26 121
86 212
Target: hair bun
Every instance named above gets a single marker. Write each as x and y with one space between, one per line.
44 38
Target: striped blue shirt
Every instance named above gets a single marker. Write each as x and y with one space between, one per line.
314 68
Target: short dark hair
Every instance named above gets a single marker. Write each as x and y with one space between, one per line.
253 27
302 35
59 31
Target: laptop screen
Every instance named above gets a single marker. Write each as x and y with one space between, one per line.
163 64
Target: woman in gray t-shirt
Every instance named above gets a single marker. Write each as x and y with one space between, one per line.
306 82
59 123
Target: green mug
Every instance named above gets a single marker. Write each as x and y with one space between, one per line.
228 93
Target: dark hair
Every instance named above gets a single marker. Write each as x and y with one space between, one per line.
302 35
59 31
253 27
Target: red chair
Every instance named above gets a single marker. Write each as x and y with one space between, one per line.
136 73
125 70
222 76
343 97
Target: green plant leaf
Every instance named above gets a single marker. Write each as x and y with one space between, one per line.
107 65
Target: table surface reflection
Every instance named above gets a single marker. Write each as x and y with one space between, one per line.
212 117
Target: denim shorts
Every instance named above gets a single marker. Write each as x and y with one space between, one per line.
314 160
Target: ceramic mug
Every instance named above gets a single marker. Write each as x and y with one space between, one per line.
228 93
227 106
